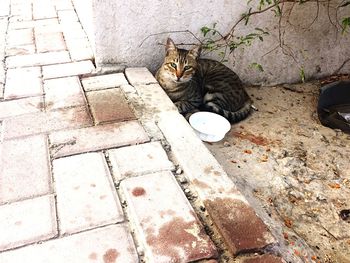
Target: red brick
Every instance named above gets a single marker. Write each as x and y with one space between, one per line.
38 59
109 106
86 197
96 138
42 122
49 42
165 221
263 259
111 244
24 168
241 228
26 222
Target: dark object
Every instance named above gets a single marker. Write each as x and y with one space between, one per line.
345 215
334 105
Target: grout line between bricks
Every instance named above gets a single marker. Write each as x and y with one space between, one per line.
53 186
26 198
124 205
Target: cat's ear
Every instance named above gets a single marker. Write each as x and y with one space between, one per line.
196 51
170 45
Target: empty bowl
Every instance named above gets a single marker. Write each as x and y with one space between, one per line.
210 127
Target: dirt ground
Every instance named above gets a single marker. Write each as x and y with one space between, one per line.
294 171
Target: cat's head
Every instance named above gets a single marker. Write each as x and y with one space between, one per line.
180 64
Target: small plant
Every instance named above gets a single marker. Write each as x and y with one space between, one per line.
226 43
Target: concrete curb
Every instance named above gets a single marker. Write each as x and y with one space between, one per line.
239 226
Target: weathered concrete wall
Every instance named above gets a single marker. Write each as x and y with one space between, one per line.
121 27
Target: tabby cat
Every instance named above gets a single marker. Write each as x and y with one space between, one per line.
195 84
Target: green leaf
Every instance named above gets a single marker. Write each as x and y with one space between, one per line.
345 24
302 74
278 10
205 30
257 66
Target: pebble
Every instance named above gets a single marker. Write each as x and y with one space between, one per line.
178 171
227 144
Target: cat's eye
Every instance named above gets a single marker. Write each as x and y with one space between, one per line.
187 67
173 65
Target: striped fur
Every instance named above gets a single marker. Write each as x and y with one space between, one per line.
195 84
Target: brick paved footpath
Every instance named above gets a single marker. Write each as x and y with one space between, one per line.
101 167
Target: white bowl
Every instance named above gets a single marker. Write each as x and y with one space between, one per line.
210 127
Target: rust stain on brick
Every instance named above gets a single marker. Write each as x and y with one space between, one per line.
110 256
93 256
241 228
168 212
138 191
200 184
210 170
178 235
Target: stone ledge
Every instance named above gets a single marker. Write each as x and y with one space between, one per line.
215 189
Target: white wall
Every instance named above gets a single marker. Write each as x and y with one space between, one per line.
120 27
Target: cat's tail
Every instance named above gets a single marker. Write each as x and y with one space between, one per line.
232 116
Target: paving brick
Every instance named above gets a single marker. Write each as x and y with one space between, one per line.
205 170
86 197
155 98
166 223
239 225
63 92
43 10
49 42
242 229
20 50
74 31
68 69
20 37
47 29
33 23
104 81
27 222
21 179
128 89
107 244
43 122
67 16
263 259
63 4
96 138
82 53
4 8
12 108
137 76
109 106
139 159
2 73
1 90
23 82
38 59
22 11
